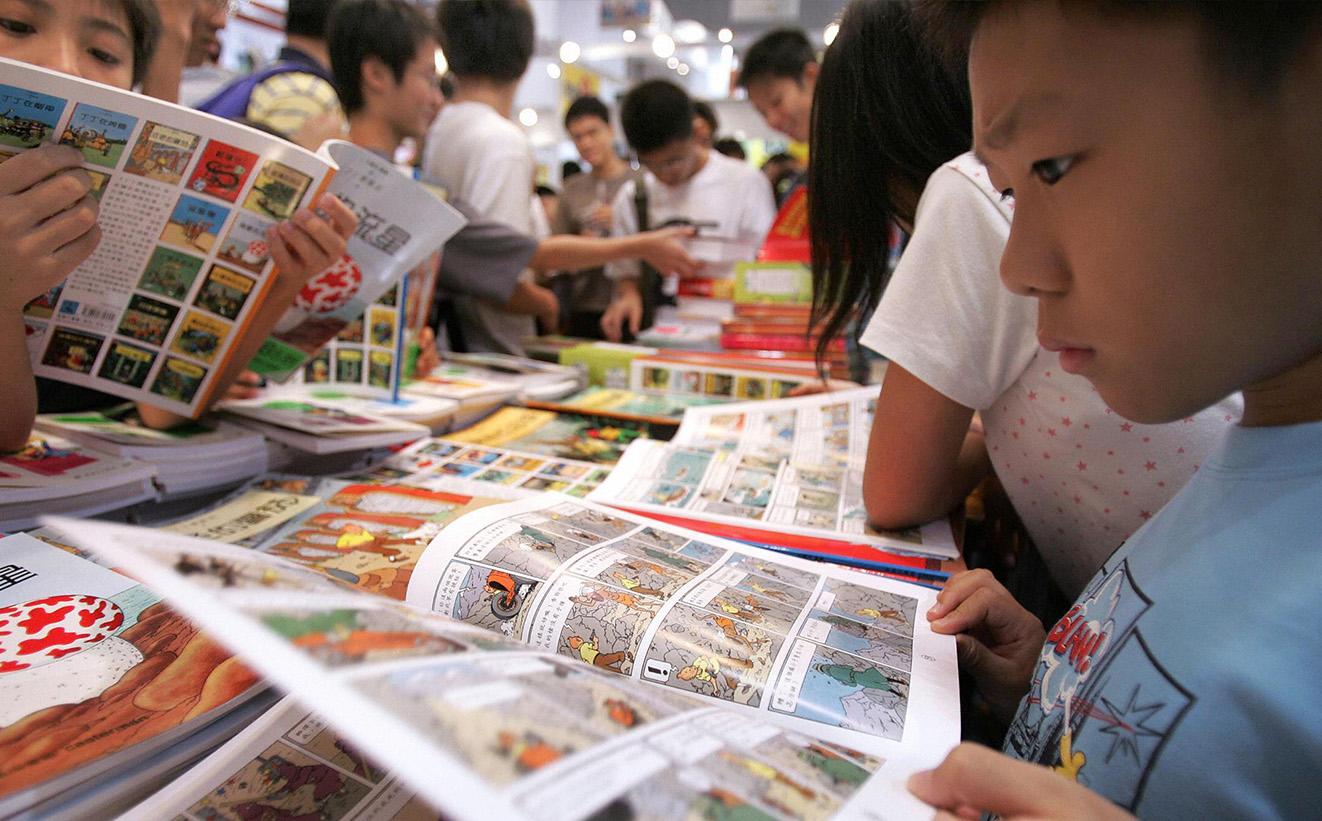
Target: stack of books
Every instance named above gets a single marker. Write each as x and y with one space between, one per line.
55 475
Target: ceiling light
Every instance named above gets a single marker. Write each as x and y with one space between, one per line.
569 51
630 35
663 46
553 71
725 35
672 63
683 69
829 33
528 117
441 64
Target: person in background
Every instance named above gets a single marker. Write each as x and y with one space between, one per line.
585 210
686 183
730 147
569 168
783 172
183 66
780 74
705 124
479 155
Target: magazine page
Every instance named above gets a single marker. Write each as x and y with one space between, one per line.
311 416
400 223
121 426
653 408
714 379
54 462
94 667
437 464
186 201
841 655
786 467
561 435
474 723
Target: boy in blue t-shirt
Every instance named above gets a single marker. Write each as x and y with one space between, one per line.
1165 165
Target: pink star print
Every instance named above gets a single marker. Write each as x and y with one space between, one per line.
1083 466
1150 466
1126 427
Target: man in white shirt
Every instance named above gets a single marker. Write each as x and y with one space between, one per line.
478 154
685 183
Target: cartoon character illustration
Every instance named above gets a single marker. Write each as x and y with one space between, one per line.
508 592
889 615
535 539
589 650
727 626
527 750
769 592
621 713
635 586
707 670
1070 762
871 678
840 770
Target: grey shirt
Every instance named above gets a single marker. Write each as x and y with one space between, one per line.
590 290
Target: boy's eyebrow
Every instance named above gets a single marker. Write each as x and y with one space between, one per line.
1001 132
104 24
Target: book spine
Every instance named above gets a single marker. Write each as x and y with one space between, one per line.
784 342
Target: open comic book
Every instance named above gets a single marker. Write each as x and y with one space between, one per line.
787 472
555 657
186 199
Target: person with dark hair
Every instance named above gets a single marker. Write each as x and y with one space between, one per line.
476 152
783 171
1156 152
780 74
585 210
705 123
296 92
730 147
891 125
568 169
685 183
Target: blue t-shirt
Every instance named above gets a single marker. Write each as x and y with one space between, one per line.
1187 679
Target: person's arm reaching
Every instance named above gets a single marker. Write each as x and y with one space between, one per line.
661 249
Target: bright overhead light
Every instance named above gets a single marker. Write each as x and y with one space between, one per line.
683 69
727 53
553 71
725 35
663 46
689 32
528 117
672 63
829 33
442 65
569 51
630 35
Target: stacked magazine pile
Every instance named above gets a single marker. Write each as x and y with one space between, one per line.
482 382
316 426
56 475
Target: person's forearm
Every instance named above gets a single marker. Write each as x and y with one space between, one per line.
17 383
566 252
528 299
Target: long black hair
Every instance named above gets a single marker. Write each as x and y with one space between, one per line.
886 113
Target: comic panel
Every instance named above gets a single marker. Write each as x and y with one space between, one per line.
246 246
72 350
348 636
224 292
170 273
43 307
179 380
841 690
382 323
636 574
686 565
872 643
686 466
522 549
712 655
348 364
746 607
380 365
352 332
99 133
127 364
161 153
27 118
147 320
802 579
770 589
283 782
890 611
594 521
276 192
194 223
317 370
200 336
99 183
315 737
486 596
593 623
222 171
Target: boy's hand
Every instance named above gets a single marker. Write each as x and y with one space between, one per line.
999 642
974 780
307 244
663 250
47 221
626 310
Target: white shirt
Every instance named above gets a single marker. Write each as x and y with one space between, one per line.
1081 477
486 160
725 191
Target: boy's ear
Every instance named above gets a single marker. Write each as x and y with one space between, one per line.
377 77
809 74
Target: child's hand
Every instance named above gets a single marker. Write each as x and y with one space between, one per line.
999 642
428 357
974 780
308 244
47 222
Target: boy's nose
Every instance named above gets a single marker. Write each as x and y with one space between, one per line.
61 56
1030 264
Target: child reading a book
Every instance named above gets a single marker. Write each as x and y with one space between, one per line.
1165 165
48 215
1080 478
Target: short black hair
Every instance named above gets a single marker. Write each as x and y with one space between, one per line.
309 18
656 113
707 114
389 30
486 38
587 106
730 147
779 53
545 191
144 29
1249 42
568 169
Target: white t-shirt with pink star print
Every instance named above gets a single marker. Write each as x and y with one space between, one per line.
1082 477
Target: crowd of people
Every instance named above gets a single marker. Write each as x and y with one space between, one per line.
1107 298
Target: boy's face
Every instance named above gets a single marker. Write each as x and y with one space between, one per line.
415 99
674 163
1166 219
593 139
86 38
786 103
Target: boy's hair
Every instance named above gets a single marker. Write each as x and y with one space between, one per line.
389 30
654 114
486 38
730 147
779 53
144 29
1253 43
707 114
587 106
887 112
309 18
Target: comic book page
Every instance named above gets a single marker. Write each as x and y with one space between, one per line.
94 667
438 464
561 435
366 356
653 408
400 224
661 375
475 723
186 200
780 468
51 461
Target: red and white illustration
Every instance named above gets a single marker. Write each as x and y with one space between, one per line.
332 289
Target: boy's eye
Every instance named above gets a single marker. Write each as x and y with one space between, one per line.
16 26
103 56
1007 195
1052 169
